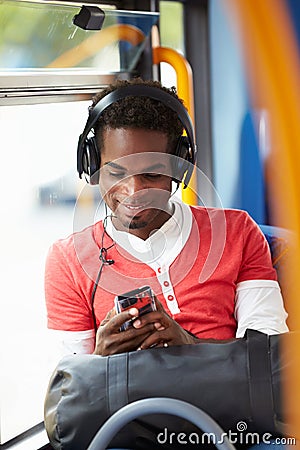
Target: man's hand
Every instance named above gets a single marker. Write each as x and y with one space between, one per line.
154 329
166 331
110 340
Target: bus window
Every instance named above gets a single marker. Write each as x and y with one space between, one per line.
38 192
41 47
171 12
172 37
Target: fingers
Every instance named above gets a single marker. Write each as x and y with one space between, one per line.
159 321
117 320
110 340
159 306
108 316
124 341
156 339
124 344
161 326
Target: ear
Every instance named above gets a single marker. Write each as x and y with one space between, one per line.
180 163
93 168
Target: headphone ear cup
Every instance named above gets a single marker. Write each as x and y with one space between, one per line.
91 160
182 160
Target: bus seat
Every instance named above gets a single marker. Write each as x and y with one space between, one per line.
280 241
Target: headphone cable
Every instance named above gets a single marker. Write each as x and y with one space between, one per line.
104 262
93 297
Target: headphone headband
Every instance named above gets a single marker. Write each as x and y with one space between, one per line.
137 90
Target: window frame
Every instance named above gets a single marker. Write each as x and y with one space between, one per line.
50 87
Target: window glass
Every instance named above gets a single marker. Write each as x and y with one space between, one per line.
39 186
43 36
171 25
171 36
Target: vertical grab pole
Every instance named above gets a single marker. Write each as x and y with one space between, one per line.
186 92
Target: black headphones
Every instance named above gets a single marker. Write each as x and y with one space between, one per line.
88 155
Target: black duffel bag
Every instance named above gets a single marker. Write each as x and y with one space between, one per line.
236 383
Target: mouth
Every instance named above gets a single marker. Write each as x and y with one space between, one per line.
135 207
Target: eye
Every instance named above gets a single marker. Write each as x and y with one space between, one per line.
152 175
116 174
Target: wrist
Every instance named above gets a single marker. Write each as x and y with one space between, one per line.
192 337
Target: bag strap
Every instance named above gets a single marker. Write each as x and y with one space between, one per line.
117 382
260 379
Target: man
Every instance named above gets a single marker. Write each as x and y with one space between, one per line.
210 269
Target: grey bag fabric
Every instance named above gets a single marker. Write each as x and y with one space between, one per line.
232 382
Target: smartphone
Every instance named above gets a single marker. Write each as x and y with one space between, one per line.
142 299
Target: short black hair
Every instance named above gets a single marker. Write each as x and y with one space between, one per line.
139 112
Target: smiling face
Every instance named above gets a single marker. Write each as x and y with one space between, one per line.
135 179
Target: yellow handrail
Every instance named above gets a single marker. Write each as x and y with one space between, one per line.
186 92
94 43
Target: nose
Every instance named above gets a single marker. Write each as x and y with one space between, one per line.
134 184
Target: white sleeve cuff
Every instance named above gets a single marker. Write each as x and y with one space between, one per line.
73 342
259 306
